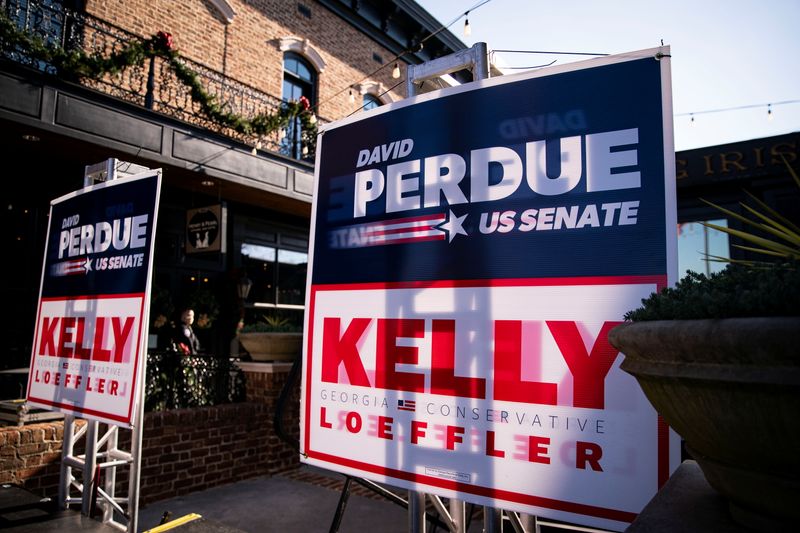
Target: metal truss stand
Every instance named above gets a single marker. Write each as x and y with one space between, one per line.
101 459
475 59
102 455
454 516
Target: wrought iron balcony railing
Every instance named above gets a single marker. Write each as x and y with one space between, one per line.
152 85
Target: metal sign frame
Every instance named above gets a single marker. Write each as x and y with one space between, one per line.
102 455
369 199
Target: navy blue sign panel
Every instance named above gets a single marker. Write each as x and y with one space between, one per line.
552 176
100 243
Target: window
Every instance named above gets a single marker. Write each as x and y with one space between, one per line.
696 243
278 275
370 102
299 79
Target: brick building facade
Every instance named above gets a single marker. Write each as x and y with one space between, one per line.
250 47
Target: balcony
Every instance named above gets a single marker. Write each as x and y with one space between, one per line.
152 85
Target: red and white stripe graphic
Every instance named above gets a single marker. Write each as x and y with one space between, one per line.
397 231
69 268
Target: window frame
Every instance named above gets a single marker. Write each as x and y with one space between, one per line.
370 99
291 144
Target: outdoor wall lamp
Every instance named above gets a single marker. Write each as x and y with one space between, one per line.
243 287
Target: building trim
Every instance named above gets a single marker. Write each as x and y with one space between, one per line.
304 48
401 10
376 89
224 9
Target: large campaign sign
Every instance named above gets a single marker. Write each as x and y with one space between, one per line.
471 250
88 350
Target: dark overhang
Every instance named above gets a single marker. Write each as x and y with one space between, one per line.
399 26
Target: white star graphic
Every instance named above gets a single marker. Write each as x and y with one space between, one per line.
88 265
453 226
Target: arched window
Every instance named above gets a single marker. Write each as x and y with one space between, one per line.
299 79
370 102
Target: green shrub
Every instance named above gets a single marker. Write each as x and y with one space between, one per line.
274 323
745 288
737 291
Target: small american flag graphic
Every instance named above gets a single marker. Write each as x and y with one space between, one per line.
406 405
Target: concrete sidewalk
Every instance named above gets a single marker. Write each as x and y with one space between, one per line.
301 501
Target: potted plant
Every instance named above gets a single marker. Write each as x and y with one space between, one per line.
273 338
719 358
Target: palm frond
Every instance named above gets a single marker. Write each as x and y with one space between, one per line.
755 239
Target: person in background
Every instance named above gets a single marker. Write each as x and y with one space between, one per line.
185 335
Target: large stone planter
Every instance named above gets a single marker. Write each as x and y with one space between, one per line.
731 389
271 346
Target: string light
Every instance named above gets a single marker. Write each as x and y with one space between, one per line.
770 115
396 71
351 97
691 121
467 27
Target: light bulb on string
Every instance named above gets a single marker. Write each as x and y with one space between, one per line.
467 28
396 71
691 120
770 116
351 97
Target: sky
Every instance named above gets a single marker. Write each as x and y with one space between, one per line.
725 54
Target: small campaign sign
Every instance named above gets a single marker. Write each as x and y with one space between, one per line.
471 249
89 342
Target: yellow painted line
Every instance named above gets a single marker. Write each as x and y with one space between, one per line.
174 523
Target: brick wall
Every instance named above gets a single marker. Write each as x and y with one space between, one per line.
183 451
30 455
247 48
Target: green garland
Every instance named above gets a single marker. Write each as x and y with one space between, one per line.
77 64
